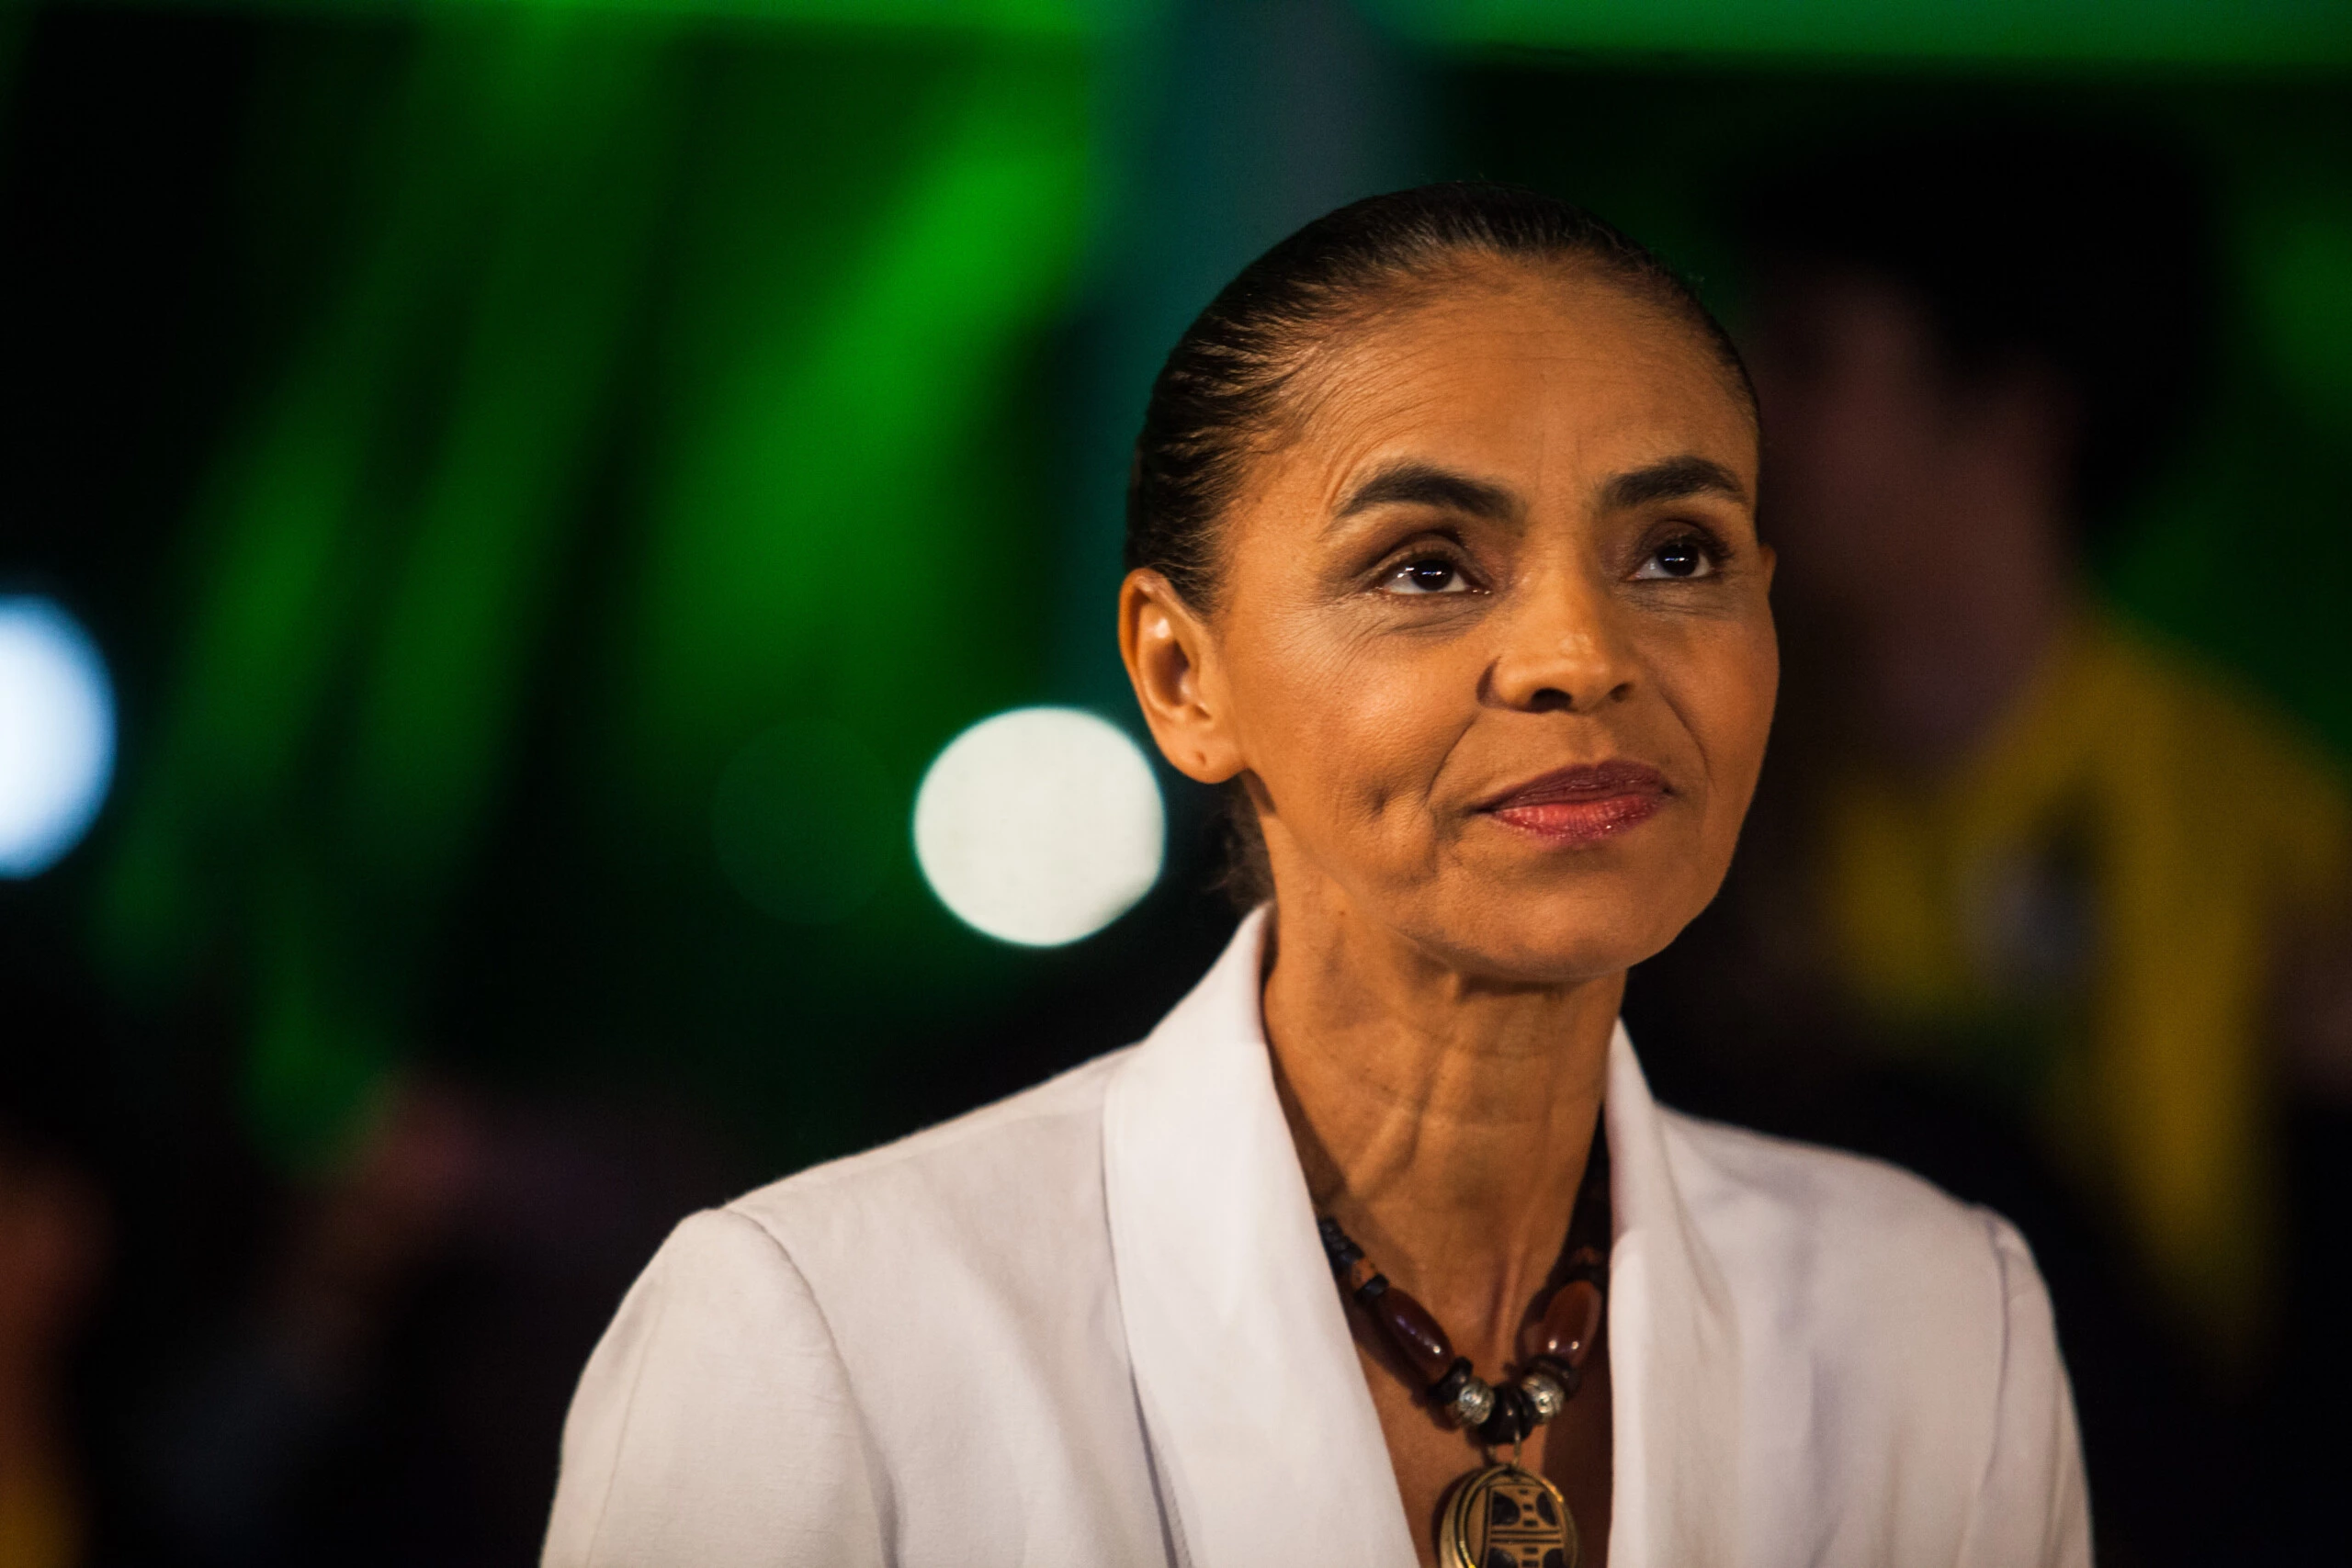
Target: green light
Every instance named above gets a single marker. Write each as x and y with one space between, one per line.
1008 19
815 521
793 280
2300 33
2302 299
805 820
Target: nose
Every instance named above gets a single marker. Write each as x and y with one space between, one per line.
1562 650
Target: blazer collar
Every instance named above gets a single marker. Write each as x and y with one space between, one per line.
1674 1378
1262 1427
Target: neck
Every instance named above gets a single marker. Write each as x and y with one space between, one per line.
1444 1121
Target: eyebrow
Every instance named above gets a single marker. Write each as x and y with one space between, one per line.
1673 479
1426 484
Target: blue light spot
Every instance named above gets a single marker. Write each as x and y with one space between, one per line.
57 732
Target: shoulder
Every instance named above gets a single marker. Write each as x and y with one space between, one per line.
971 1256
1847 1233
802 1267
1894 1296
2192 731
2232 725
1896 1343
969 1184
997 1215
1738 1176
786 1363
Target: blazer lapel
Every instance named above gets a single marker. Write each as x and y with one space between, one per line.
1268 1447
1673 1351
1264 1435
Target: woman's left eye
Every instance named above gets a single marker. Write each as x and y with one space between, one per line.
1431 574
1682 557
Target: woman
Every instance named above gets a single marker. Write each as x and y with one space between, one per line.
1444 558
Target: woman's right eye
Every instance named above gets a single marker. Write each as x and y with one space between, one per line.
1430 574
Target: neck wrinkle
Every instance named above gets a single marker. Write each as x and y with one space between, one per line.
1444 1122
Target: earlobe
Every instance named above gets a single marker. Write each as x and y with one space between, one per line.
1170 659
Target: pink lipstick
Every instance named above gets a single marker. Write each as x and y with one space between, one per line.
1582 805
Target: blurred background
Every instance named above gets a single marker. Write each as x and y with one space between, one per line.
501 505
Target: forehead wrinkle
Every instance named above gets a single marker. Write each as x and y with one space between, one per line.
1576 293
1397 432
1322 369
1327 386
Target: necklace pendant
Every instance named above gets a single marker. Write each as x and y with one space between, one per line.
1503 1516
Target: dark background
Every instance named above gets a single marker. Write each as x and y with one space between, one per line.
463 430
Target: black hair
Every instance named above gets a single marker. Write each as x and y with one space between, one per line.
2089 253
1224 396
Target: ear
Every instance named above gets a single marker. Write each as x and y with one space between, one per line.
1172 662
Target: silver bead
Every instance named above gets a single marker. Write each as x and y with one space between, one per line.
1474 1404
1543 1392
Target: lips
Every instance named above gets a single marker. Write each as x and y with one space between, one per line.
1582 805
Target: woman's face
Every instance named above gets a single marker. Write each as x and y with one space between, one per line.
1492 648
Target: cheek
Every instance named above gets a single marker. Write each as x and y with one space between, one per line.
1725 683
1344 730
1744 695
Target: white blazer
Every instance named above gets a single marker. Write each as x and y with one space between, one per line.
1093 1323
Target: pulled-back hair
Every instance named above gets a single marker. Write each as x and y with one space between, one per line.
1223 395
1228 392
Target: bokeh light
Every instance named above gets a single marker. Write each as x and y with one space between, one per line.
1040 826
56 734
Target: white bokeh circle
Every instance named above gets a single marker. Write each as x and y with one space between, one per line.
1040 826
56 734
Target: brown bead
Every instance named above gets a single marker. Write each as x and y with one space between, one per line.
1571 1323
1413 1332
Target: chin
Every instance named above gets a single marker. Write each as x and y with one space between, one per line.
1557 935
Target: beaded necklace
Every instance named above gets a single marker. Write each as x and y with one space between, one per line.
1501 1516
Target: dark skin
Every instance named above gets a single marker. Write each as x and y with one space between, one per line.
1510 532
